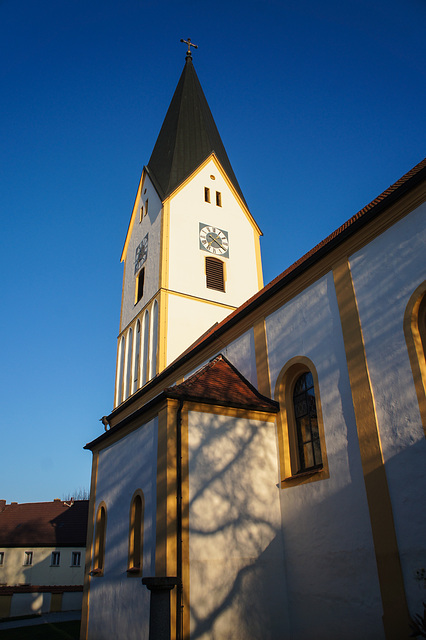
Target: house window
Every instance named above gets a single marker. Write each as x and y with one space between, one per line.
305 415
100 532
75 558
55 559
140 278
1 558
136 534
206 194
28 558
218 198
215 274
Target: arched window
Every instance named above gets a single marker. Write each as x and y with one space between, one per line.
145 348
136 352
305 416
100 533
302 450
127 379
415 336
153 345
120 370
136 534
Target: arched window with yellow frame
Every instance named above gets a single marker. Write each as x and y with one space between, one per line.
303 455
100 535
136 531
415 336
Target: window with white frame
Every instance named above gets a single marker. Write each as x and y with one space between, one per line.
1 558
28 558
76 558
55 559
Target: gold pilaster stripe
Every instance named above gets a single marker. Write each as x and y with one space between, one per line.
84 627
395 610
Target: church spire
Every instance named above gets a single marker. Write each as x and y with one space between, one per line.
188 137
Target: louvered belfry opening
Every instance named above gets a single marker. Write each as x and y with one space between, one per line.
214 274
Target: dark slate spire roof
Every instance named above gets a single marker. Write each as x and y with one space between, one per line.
188 136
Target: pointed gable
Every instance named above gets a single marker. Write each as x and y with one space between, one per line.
219 382
188 137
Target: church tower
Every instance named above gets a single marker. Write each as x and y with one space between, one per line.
192 253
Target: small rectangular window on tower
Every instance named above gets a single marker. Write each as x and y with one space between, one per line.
206 194
218 198
141 214
146 207
139 285
215 274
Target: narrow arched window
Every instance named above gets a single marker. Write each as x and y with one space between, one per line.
145 348
136 353
100 533
415 336
153 345
127 379
305 415
136 534
120 371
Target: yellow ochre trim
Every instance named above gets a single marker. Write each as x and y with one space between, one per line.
261 355
185 527
258 262
163 282
395 611
84 628
415 337
243 206
135 211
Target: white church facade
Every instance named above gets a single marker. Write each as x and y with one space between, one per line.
266 451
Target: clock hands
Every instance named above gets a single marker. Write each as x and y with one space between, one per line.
217 242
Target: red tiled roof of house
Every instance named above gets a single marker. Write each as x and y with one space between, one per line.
220 383
49 524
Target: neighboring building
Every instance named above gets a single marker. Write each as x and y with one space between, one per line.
275 466
42 548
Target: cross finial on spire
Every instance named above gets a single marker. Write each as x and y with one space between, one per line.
189 43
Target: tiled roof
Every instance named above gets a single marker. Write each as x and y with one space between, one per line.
220 383
48 524
188 137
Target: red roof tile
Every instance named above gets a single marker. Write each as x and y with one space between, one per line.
48 524
220 383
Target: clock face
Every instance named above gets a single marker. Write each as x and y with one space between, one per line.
141 254
214 240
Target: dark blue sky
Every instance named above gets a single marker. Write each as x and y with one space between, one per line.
320 107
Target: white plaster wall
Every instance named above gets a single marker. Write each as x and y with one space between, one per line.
187 261
72 601
187 320
150 224
385 274
117 601
242 355
237 585
329 554
13 571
